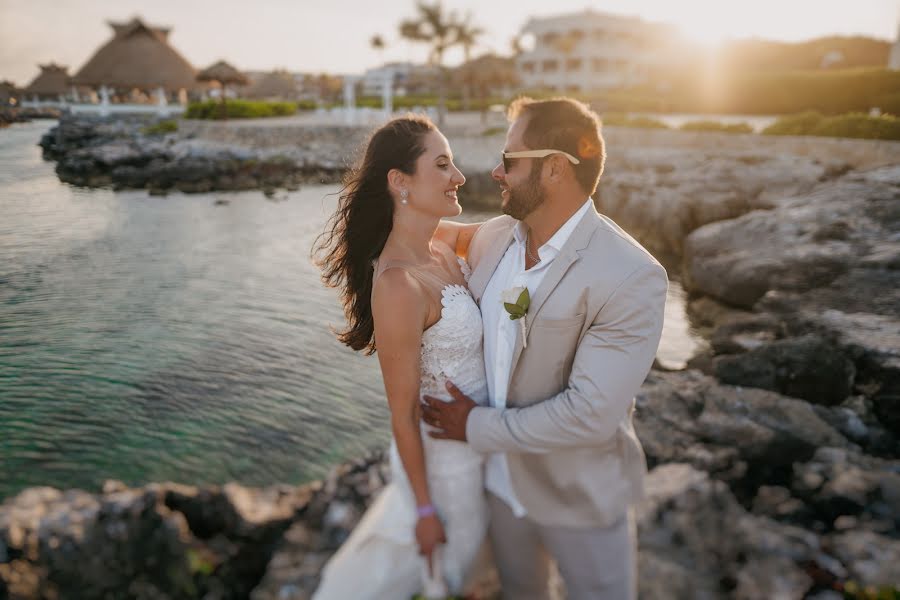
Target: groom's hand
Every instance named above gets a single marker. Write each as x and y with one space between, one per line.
449 417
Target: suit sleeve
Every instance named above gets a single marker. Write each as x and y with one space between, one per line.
611 362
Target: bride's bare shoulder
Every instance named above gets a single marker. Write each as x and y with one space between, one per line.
397 296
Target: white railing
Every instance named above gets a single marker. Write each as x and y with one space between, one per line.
106 109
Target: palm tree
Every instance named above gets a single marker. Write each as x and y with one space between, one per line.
377 42
437 28
467 34
487 75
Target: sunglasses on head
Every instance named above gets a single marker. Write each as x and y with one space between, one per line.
508 157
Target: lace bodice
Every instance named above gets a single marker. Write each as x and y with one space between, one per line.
452 347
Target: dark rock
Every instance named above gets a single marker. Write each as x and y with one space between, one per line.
837 482
747 437
743 333
696 541
96 152
807 367
805 242
162 541
873 342
870 558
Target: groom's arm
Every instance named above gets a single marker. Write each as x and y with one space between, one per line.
610 364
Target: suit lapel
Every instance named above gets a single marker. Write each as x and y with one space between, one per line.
569 255
488 264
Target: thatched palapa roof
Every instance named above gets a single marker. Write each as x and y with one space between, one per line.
223 73
138 56
8 90
53 80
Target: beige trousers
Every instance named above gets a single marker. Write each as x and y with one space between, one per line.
595 563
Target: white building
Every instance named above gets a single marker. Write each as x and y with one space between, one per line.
407 78
894 60
590 50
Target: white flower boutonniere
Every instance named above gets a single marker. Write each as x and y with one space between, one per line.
516 302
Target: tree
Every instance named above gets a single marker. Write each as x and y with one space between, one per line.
487 75
467 34
437 28
377 42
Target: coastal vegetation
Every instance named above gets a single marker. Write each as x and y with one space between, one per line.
717 127
853 125
833 91
241 109
161 127
623 120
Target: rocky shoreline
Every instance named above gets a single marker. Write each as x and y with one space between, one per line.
131 154
774 457
8 116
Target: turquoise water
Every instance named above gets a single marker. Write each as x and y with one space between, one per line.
170 338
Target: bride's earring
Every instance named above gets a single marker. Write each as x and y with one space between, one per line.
404 197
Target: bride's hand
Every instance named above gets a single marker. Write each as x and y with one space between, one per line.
429 533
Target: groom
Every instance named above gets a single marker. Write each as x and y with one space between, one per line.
564 464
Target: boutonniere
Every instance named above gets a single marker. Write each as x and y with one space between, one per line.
516 302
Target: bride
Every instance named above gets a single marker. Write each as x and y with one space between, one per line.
404 294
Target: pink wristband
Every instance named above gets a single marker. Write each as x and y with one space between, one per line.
426 510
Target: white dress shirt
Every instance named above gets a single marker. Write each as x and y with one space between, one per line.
500 332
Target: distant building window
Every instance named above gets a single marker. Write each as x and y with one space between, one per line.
573 64
549 66
528 67
599 65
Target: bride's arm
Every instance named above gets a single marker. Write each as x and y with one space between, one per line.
457 235
400 315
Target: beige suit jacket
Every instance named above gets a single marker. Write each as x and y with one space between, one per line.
593 329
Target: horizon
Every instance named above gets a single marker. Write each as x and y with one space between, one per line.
289 35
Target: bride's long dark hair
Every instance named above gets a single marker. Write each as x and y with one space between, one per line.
357 231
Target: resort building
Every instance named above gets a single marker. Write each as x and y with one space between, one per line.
277 85
407 78
138 64
53 84
10 95
894 58
589 51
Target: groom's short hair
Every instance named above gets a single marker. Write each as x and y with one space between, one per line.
568 125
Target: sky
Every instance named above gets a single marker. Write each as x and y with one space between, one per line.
333 35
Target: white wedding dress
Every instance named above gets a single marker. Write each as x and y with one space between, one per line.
380 560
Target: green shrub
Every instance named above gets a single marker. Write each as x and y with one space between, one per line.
493 131
853 125
623 120
717 126
161 128
239 109
799 124
888 103
831 92
855 591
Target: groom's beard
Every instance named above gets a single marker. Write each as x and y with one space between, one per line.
526 197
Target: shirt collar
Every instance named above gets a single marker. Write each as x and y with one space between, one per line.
558 239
